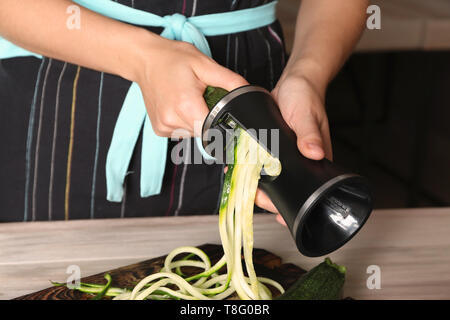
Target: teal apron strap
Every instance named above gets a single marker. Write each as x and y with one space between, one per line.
10 50
126 132
154 154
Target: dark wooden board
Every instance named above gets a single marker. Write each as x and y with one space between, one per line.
266 265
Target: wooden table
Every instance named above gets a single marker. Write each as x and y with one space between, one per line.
411 247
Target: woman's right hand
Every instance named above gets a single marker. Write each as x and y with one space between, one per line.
173 76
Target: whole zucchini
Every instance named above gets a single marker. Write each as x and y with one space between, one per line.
323 282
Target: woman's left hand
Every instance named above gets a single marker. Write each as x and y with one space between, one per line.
301 104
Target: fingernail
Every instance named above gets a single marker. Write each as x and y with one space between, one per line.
314 146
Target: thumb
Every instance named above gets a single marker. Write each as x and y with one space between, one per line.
218 76
309 138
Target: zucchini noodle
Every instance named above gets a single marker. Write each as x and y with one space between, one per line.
236 233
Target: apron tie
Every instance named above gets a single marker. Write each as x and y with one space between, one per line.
175 24
178 27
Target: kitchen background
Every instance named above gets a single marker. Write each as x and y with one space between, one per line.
389 107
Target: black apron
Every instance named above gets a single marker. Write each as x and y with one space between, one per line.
57 121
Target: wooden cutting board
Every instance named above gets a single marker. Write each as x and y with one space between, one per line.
266 265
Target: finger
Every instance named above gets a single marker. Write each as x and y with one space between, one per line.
280 220
194 112
275 91
169 122
263 201
309 137
162 130
199 114
191 106
218 76
185 123
325 131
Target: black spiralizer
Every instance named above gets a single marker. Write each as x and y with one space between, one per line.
323 205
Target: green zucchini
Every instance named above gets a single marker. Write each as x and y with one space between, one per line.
212 95
105 289
323 282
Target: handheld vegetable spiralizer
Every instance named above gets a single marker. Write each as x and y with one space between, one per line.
323 205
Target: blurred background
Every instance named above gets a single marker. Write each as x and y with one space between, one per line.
389 107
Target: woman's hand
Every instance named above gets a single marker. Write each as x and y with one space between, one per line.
172 78
301 103
326 32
